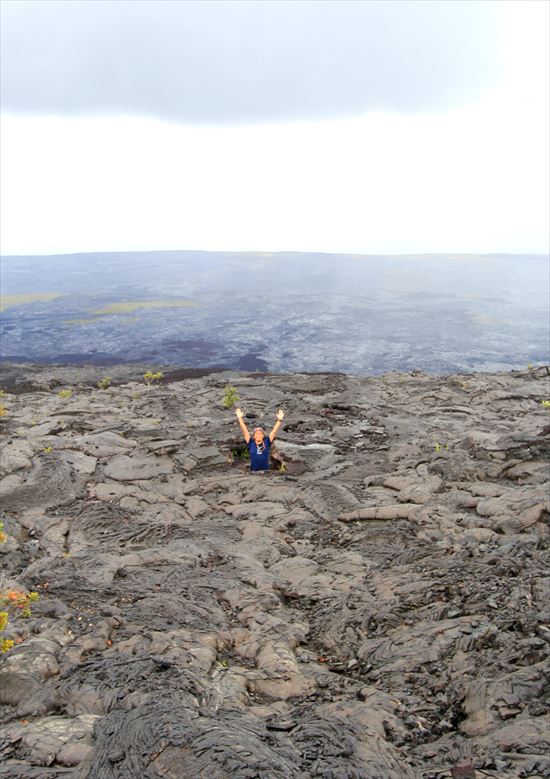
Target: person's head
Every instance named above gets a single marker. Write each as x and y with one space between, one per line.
258 435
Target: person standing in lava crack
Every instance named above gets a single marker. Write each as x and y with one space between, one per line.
259 443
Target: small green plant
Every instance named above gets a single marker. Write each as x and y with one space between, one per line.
150 377
545 403
3 410
47 449
529 367
230 396
2 393
438 447
65 393
282 467
104 383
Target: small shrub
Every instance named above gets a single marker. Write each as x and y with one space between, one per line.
47 449
150 377
545 403
230 396
104 383
240 453
14 604
65 393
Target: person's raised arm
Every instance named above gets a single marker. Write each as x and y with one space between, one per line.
244 428
280 416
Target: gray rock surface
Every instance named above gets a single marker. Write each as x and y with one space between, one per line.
375 606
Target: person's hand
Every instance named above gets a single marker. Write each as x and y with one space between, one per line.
280 415
239 413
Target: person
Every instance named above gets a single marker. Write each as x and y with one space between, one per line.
259 443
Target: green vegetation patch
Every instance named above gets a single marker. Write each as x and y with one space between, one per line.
129 307
9 301
89 321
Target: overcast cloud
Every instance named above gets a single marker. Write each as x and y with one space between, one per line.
367 127
234 62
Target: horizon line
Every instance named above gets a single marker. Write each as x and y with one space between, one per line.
265 253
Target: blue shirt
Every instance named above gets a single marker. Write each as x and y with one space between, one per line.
259 454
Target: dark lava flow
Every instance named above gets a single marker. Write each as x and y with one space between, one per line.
375 607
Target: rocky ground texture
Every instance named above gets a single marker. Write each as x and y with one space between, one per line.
377 606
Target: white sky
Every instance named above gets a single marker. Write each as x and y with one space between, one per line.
468 178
